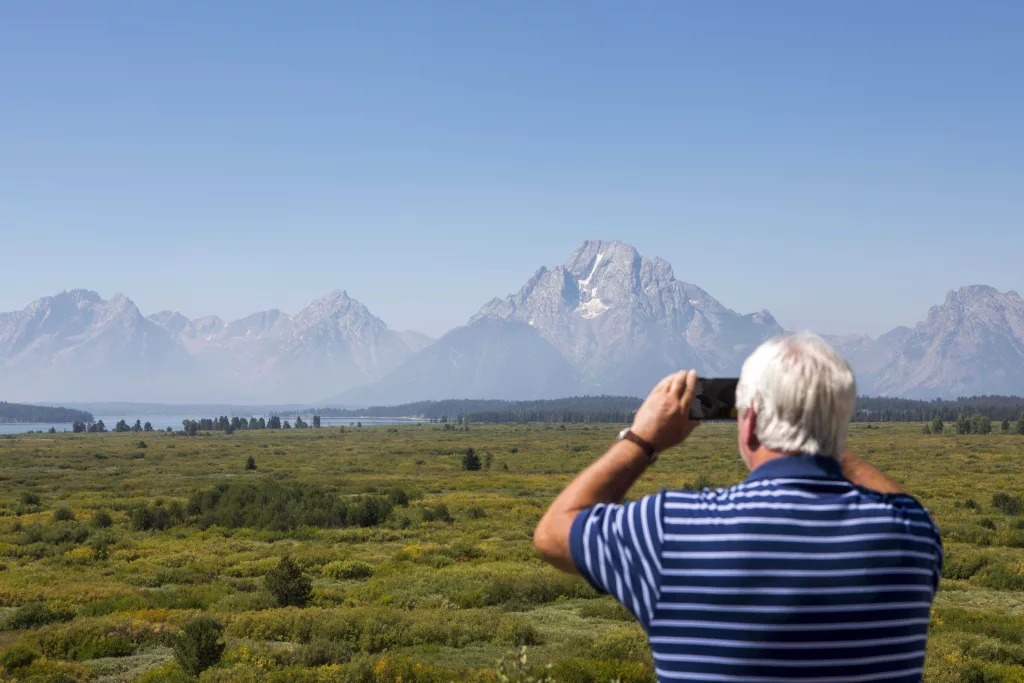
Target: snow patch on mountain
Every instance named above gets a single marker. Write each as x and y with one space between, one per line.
592 308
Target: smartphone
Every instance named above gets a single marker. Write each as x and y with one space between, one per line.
715 399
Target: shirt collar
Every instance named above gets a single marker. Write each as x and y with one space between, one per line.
798 467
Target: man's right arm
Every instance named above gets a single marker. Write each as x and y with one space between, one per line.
861 473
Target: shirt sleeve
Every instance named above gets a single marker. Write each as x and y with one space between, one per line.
906 500
617 548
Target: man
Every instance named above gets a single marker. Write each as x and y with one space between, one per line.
816 568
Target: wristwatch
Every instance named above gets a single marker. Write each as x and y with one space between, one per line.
628 434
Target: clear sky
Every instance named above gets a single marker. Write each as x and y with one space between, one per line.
842 164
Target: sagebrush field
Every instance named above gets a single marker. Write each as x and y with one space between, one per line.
409 566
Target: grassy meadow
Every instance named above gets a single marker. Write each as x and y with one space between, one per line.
419 569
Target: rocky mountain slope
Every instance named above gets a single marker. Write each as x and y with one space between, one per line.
618 320
971 344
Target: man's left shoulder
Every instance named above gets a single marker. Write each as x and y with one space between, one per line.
902 506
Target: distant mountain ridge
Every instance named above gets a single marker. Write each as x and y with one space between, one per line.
73 343
607 321
78 345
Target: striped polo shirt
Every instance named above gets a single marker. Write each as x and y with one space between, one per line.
793 575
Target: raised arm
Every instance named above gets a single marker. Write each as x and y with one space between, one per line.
861 473
662 421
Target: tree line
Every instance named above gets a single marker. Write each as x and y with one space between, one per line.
23 412
620 409
571 409
888 409
229 425
974 424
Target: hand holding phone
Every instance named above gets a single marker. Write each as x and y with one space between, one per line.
715 399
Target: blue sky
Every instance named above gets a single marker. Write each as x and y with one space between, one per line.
842 164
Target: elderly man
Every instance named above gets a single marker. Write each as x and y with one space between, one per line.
815 568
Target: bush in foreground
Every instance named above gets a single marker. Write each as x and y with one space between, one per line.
36 614
351 569
17 657
63 514
1008 504
471 461
288 584
101 519
199 645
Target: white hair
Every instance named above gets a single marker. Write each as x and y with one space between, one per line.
802 392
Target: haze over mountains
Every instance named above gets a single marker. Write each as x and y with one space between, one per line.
607 321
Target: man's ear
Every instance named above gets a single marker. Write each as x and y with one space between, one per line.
748 430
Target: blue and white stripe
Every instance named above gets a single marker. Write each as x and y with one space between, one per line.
793 575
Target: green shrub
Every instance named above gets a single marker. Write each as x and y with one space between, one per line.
29 498
515 630
991 650
352 569
437 513
199 645
967 533
17 657
703 482
114 603
504 585
288 584
63 514
182 576
1010 538
168 672
250 463
1010 505
999 577
156 517
101 519
321 651
85 638
368 511
475 512
45 670
36 614
398 497
576 670
471 461
517 670
369 629
109 646
1004 627
961 564
462 551
627 645
605 608
392 668
270 505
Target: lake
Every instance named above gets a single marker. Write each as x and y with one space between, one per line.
162 422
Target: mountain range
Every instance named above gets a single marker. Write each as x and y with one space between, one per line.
607 321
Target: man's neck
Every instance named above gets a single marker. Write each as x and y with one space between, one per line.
763 455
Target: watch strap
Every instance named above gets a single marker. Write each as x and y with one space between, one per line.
645 446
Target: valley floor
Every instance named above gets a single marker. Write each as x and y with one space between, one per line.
420 569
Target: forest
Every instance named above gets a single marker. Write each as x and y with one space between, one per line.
22 412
